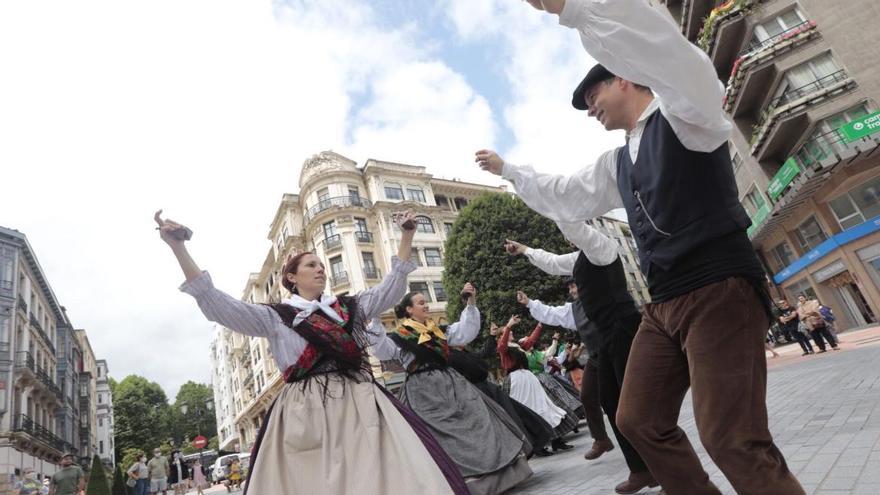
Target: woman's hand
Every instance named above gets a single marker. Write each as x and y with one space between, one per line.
469 289
406 220
173 233
515 319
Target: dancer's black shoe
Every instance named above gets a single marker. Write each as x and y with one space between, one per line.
559 444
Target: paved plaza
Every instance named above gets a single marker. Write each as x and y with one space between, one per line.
824 414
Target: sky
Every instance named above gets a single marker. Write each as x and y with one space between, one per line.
110 110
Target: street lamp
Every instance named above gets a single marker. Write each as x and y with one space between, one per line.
199 411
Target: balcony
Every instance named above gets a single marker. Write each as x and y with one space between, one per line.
752 73
49 383
806 171
693 15
785 119
24 360
372 273
332 242
723 33
39 328
22 423
338 279
364 237
337 202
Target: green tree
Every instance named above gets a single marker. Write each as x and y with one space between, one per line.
141 412
119 487
475 253
98 484
198 420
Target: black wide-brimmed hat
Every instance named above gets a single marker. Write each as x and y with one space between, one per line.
596 75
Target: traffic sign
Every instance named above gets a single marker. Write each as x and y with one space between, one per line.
200 442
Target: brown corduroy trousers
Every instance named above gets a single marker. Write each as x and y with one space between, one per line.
711 340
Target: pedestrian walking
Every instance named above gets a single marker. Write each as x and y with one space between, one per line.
139 474
29 484
788 318
69 480
158 470
332 428
197 474
675 180
809 311
178 474
491 462
234 482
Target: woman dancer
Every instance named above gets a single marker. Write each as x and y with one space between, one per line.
480 437
525 387
332 429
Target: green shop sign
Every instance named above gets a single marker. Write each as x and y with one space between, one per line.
759 218
865 126
783 178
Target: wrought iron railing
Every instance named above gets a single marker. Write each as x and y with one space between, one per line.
339 202
806 89
24 423
332 241
25 359
338 278
754 46
48 382
364 236
39 327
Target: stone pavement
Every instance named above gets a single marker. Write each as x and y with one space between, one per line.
824 414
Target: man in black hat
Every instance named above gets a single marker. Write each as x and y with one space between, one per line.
675 180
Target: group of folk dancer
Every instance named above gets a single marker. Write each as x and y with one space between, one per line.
333 429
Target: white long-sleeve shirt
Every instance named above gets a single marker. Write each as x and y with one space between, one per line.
258 320
459 333
557 316
635 42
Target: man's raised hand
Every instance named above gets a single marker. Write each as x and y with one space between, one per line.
489 161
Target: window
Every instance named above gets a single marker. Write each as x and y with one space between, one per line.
858 205
447 227
361 225
736 161
777 25
421 288
754 201
800 287
810 234
101 446
370 270
439 292
393 192
783 255
100 421
415 194
432 257
441 201
424 225
354 193
460 203
329 229
6 271
337 269
826 139
324 197
100 398
415 257
807 77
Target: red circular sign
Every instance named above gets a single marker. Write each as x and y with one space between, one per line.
200 442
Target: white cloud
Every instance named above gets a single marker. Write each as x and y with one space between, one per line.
206 109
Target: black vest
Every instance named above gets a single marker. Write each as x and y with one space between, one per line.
587 329
603 292
676 199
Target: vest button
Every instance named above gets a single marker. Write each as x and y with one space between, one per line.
640 223
649 252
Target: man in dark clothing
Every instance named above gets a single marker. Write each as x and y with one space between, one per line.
705 327
788 318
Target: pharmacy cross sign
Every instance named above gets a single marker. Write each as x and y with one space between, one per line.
864 126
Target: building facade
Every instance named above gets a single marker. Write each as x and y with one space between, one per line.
88 401
30 396
626 246
69 359
802 88
343 213
104 415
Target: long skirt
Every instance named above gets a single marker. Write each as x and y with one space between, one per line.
564 400
479 436
524 387
348 438
538 432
